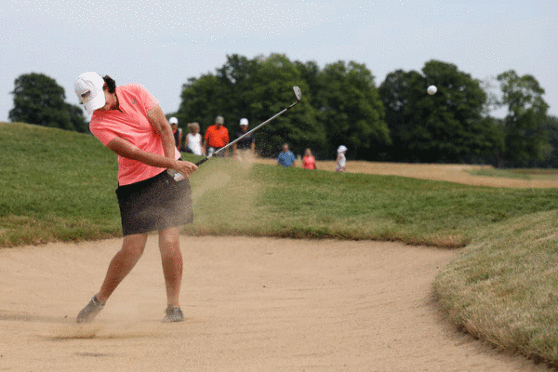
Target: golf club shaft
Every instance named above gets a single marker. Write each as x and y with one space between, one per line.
298 94
245 134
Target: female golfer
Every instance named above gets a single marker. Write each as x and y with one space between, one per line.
128 120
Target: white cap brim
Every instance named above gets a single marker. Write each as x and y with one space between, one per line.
95 103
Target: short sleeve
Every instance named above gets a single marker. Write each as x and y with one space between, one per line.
101 132
146 99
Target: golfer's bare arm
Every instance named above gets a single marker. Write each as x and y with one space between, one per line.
128 150
159 122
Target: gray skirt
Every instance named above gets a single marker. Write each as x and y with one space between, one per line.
153 204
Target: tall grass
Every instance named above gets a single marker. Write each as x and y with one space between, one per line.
503 287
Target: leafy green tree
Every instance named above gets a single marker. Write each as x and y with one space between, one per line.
255 89
201 101
525 135
351 110
310 73
550 125
446 127
272 91
38 99
395 93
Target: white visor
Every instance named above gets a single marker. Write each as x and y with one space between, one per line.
89 89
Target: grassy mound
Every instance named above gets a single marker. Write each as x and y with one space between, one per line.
503 287
55 185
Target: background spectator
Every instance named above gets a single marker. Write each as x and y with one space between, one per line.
340 162
248 143
309 162
176 131
216 136
286 158
194 140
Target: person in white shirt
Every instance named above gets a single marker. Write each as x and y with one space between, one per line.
341 161
194 140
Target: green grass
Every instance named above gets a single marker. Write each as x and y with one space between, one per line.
525 174
300 204
54 185
59 186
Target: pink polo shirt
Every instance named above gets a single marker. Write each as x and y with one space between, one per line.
132 124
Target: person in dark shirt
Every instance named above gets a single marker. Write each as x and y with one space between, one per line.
247 145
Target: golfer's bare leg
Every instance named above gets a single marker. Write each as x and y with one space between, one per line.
122 263
171 257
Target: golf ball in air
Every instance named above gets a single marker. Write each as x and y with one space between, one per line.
431 89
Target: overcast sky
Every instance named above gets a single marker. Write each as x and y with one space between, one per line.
162 44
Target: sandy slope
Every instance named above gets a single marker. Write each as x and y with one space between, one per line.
251 305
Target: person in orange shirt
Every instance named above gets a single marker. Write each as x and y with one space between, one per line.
129 121
216 136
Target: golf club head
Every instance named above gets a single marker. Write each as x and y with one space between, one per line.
298 93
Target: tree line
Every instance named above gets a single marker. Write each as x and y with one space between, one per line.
39 100
396 121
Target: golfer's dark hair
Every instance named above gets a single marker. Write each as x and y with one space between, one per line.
111 84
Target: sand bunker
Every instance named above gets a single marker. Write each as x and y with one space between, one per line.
251 304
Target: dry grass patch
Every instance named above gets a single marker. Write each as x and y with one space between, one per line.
503 287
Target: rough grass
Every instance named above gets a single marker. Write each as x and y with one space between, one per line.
503 287
525 174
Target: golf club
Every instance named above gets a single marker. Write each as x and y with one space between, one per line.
298 94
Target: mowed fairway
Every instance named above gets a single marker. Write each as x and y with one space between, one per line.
252 304
459 173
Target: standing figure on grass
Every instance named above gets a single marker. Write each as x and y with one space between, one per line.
176 132
246 145
286 158
216 137
194 140
309 162
129 121
341 161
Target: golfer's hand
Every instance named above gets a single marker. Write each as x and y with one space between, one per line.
185 168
